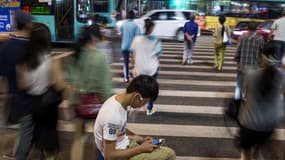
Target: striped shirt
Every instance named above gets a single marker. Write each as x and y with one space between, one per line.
249 51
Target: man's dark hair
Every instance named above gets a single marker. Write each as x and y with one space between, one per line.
192 17
146 85
131 14
222 19
252 26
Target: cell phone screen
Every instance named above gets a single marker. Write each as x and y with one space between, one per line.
157 142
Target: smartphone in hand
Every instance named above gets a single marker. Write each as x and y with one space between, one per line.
158 141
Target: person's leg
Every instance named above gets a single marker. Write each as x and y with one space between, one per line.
150 109
279 52
184 60
162 153
25 137
126 65
190 53
222 55
216 55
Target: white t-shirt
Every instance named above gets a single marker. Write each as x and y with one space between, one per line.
278 27
39 79
111 124
146 50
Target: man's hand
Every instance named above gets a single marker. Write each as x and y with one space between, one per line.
147 147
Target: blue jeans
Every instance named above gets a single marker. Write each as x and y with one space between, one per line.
280 49
126 55
239 86
150 103
25 138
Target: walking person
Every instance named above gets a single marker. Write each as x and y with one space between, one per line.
219 45
262 109
12 52
279 37
248 56
113 139
40 79
129 30
190 37
146 50
90 75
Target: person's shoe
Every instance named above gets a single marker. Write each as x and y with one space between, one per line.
184 62
126 80
150 112
190 61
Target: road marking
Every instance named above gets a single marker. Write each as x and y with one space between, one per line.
183 66
188 82
194 56
190 131
176 73
204 158
197 94
207 52
187 109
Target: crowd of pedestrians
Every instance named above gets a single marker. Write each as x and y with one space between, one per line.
37 86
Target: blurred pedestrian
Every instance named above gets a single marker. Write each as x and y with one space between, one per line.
146 50
190 36
113 139
129 30
248 56
90 75
40 78
262 108
279 37
219 45
12 52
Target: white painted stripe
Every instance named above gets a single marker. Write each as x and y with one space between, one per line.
209 53
172 130
177 73
195 61
197 94
189 82
187 109
232 68
204 158
206 48
194 56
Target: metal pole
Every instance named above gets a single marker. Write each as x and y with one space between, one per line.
126 5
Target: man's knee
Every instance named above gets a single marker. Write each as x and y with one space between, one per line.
169 153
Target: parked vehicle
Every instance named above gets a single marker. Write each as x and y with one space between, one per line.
241 28
168 23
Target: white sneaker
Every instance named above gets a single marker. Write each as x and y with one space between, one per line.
150 112
190 61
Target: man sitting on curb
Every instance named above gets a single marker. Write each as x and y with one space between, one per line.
113 139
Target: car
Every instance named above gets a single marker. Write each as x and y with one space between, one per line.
263 29
168 23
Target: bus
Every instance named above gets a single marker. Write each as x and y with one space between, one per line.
240 10
66 17
7 11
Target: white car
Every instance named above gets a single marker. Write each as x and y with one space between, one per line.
168 23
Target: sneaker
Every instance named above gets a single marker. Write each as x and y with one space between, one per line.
126 80
150 112
190 61
184 62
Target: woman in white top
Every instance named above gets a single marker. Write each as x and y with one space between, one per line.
39 75
146 50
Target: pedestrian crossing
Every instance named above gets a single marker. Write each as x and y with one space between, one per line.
189 107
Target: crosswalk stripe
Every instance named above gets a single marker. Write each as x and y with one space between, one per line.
206 52
195 61
188 82
178 93
194 66
188 109
196 131
207 74
204 158
194 56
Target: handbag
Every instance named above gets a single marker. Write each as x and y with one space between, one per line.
232 107
226 37
90 104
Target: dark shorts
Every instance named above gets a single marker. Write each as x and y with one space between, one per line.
250 138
